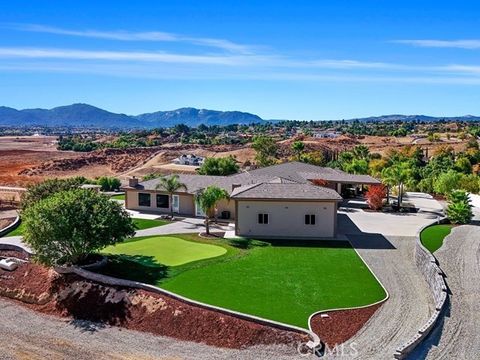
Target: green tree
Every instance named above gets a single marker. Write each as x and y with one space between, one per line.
314 158
266 150
67 226
356 166
298 147
459 210
361 152
470 183
447 182
396 175
463 165
219 166
207 199
49 187
109 183
171 185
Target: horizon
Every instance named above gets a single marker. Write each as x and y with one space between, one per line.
277 60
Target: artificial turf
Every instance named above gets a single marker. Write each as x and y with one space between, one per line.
165 250
18 231
118 197
432 237
148 223
283 283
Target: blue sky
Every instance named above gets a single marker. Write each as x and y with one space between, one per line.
279 59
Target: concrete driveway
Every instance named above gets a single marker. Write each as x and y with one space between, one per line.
393 224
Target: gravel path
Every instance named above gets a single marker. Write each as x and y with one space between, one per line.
458 337
410 303
26 334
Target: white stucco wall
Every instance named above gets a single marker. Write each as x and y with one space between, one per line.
286 219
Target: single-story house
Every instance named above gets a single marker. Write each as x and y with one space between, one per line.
279 201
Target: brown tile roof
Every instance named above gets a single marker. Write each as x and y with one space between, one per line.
285 191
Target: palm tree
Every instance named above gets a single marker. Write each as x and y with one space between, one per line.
396 175
297 148
361 152
171 184
207 199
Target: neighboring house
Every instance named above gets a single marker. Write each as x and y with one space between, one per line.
189 159
327 134
279 201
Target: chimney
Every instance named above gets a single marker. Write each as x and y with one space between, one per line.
234 186
133 182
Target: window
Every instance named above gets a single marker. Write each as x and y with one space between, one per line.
163 201
143 199
263 218
309 219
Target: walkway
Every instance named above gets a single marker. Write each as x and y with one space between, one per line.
458 337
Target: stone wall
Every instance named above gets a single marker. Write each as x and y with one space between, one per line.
433 274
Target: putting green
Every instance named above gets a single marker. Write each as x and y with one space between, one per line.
167 250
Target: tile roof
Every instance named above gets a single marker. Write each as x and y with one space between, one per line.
276 178
285 191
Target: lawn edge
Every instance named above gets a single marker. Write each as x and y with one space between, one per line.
387 294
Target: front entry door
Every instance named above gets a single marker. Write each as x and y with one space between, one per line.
176 203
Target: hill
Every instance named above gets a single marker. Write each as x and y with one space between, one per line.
84 115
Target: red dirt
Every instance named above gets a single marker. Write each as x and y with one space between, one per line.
43 290
341 325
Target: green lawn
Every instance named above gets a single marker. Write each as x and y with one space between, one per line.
166 250
285 282
18 231
140 223
118 197
147 223
432 237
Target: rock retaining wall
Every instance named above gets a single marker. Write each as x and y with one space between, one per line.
428 265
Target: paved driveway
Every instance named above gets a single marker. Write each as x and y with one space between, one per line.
395 224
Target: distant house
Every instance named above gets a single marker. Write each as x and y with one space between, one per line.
327 134
189 159
279 201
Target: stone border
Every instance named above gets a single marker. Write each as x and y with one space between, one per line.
109 280
10 227
434 276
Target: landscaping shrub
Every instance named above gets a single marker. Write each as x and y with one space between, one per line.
375 196
221 166
109 183
459 209
67 226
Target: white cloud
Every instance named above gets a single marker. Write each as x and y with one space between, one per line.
458 44
153 36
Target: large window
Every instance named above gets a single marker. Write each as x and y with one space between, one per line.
309 219
163 201
143 199
263 218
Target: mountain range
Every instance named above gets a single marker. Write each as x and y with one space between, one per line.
84 115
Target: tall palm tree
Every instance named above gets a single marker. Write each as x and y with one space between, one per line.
396 175
170 184
207 199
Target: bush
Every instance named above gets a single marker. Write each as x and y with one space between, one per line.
375 196
109 183
459 210
221 166
447 182
67 226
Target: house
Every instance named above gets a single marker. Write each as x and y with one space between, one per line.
189 159
279 201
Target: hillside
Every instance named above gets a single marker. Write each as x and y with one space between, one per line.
84 115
